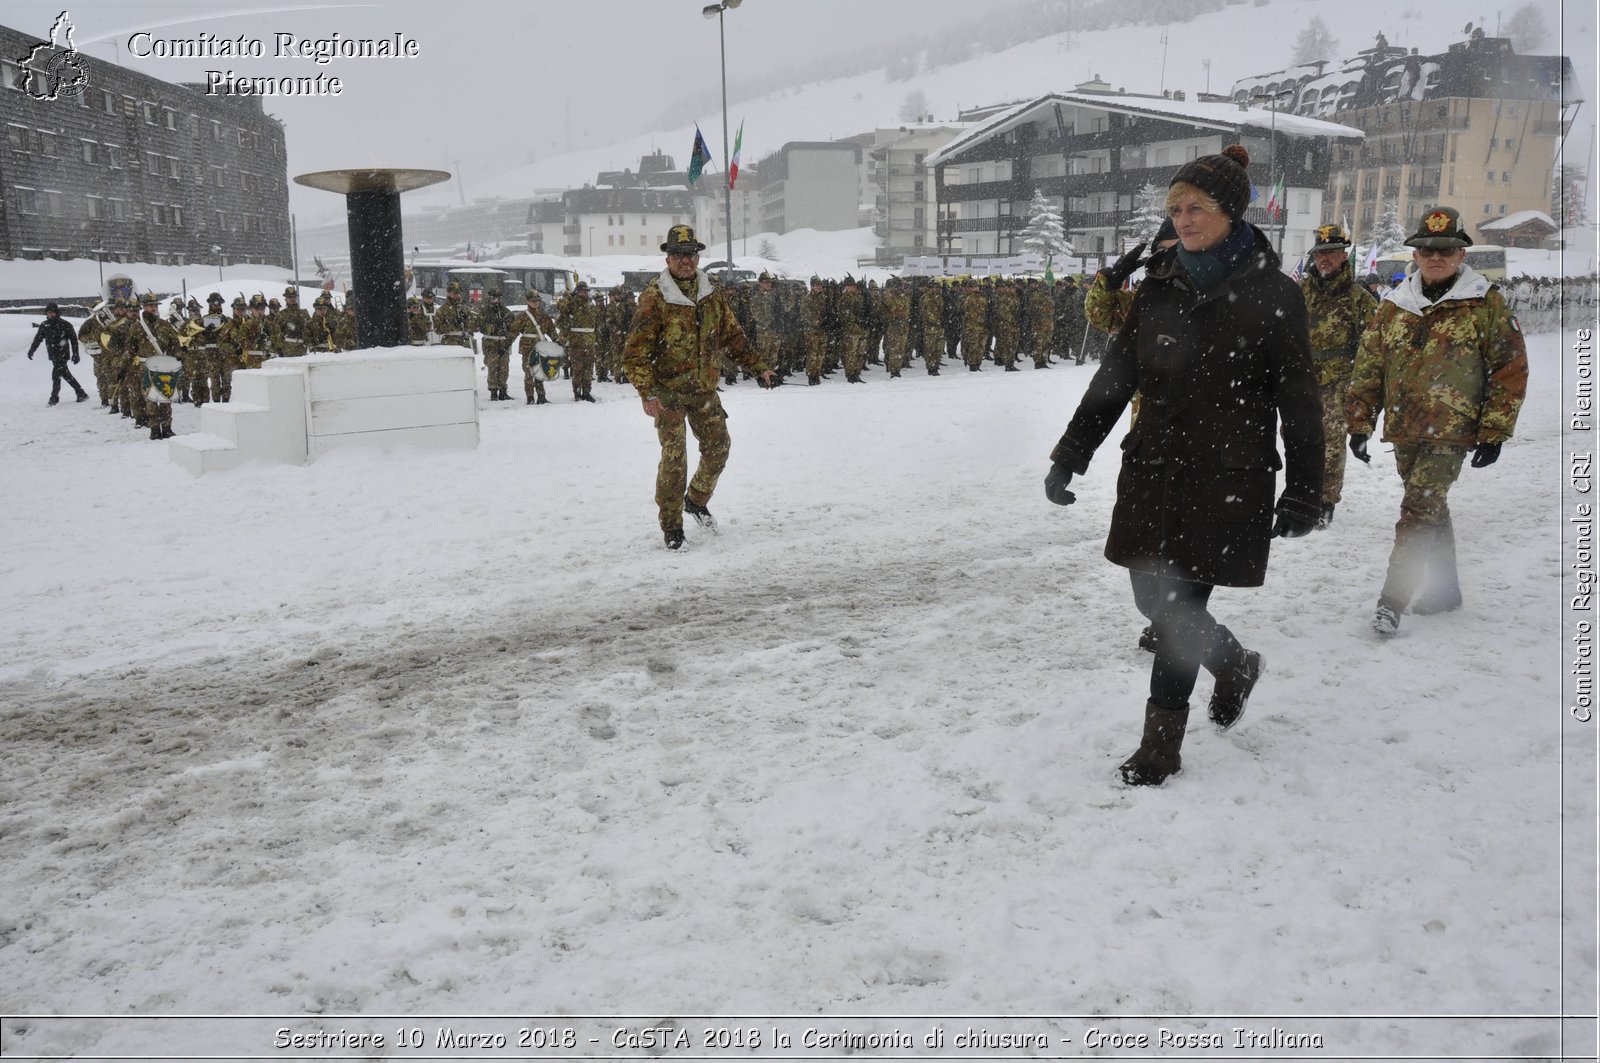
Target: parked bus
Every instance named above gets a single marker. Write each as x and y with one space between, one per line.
1487 259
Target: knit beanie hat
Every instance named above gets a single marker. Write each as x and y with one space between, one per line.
1221 177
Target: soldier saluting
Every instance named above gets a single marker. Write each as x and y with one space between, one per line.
670 356
1445 361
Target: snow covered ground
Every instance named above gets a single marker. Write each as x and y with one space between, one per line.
428 732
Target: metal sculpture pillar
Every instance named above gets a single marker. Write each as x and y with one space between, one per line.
377 246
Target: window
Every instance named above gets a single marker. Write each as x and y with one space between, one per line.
173 169
222 222
1505 179
611 241
1488 209
17 137
88 151
1502 208
241 137
217 176
1511 144
216 129
12 74
152 164
171 118
120 210
1494 143
113 156
1489 176
50 202
642 220
47 143
27 200
177 215
97 207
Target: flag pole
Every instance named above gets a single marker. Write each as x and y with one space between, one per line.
727 186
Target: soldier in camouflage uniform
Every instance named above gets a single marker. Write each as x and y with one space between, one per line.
872 298
454 321
815 317
930 314
974 325
289 326
895 302
619 315
494 321
525 331
320 337
416 323
1338 309
579 321
1041 317
255 343
670 357
1444 360
1007 318
149 335
205 352
92 337
344 323
765 314
851 312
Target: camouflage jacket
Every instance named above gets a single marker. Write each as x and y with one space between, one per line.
530 326
1107 308
453 322
974 310
1339 310
344 331
494 321
1041 308
579 322
896 309
289 331
320 333
814 311
1452 372
671 351
138 340
852 313
619 315
1007 310
242 334
930 307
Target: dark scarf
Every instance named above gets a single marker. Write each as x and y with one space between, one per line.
1211 267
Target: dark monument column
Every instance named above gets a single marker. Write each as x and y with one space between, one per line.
377 246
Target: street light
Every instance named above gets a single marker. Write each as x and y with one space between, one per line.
216 249
715 11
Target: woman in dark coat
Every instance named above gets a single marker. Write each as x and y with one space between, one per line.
1217 344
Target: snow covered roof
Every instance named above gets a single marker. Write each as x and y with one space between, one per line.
1521 217
1224 116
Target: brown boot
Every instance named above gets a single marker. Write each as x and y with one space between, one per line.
1157 756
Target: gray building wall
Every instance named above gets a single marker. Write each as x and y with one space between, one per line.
142 169
811 185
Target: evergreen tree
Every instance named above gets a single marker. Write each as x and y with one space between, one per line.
769 250
1044 234
1315 42
1567 207
1149 211
1391 232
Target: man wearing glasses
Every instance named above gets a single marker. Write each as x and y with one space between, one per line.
1445 361
670 356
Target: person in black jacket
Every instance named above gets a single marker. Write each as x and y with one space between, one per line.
60 342
1217 344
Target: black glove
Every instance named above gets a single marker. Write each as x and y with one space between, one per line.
1292 525
1485 455
1358 446
30 356
1055 485
74 359
1123 267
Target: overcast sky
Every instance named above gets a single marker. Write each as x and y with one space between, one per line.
500 83
496 82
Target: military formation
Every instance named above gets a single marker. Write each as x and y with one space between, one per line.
146 360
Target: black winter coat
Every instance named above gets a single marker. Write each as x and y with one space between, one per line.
59 338
1199 467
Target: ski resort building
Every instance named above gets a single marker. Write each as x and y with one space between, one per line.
1091 153
1475 128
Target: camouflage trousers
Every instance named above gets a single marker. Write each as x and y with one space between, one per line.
933 348
102 383
497 361
894 350
853 352
709 423
816 354
198 365
1043 336
1334 440
158 414
974 346
580 356
1005 347
532 378
1427 471
133 390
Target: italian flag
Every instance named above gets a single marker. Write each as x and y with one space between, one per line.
733 167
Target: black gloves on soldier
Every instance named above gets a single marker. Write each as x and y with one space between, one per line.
1358 446
1485 454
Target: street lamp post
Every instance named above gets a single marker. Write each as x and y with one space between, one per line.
216 249
709 11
